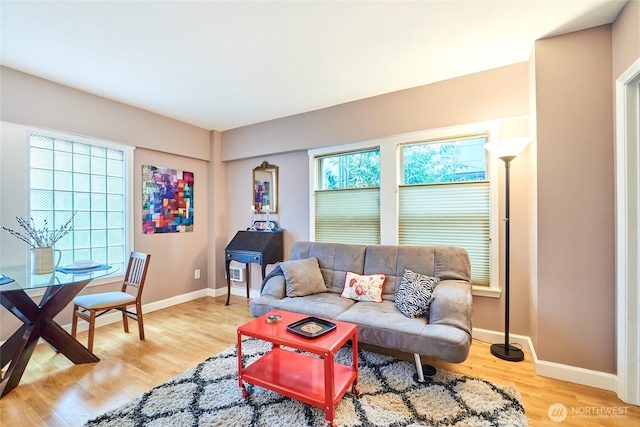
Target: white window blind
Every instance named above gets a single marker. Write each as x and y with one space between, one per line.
68 177
348 216
452 214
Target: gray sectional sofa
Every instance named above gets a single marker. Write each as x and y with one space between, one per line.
444 333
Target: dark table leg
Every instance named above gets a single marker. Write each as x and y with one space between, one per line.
264 270
38 323
20 347
248 278
226 268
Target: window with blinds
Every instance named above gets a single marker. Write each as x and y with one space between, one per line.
348 216
445 199
347 202
68 177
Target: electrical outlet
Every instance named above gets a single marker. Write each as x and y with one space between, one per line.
197 274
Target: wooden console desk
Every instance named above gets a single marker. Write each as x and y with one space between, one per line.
260 247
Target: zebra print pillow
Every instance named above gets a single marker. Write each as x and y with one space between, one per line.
413 297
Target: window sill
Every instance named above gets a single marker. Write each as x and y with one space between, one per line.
484 291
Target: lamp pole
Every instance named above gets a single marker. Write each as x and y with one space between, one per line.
506 351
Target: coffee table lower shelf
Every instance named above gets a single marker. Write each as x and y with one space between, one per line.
300 377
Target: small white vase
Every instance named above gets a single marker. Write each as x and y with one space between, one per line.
42 260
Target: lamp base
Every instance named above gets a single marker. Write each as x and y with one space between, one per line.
510 353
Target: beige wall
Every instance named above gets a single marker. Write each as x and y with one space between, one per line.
293 199
489 95
626 38
532 216
219 218
33 101
575 319
494 94
174 256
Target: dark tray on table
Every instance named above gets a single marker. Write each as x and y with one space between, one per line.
311 327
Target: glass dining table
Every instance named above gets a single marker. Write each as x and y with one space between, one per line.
38 321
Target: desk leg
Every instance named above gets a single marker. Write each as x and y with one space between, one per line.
248 278
226 269
263 268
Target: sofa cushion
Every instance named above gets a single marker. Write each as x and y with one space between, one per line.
276 287
383 316
326 304
414 294
303 277
361 287
335 260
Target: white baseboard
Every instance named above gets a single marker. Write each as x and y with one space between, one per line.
498 337
553 370
218 292
241 291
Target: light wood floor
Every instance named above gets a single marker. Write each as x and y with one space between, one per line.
55 392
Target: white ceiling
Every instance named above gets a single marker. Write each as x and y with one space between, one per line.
222 65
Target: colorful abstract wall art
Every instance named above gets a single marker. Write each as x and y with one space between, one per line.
167 200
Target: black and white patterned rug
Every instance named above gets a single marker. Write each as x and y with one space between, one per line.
208 395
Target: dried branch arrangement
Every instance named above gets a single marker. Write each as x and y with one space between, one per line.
40 238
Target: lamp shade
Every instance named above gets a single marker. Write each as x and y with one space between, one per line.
507 148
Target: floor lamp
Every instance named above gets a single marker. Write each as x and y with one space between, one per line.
507 150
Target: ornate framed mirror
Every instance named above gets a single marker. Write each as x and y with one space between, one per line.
265 188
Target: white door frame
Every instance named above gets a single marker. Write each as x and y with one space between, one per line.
627 155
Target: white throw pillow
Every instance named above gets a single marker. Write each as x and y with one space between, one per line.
363 287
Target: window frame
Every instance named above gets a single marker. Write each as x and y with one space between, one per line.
320 177
391 179
316 178
128 187
444 184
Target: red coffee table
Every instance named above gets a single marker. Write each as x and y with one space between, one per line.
317 382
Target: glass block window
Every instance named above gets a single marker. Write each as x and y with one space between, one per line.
85 181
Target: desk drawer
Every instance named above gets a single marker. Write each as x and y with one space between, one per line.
246 257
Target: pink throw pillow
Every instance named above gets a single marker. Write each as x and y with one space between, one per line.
363 287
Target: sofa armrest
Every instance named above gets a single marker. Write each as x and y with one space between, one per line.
274 286
452 305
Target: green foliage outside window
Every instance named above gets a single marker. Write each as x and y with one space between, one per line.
424 163
453 161
354 170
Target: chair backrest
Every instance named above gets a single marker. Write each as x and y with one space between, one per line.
136 272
